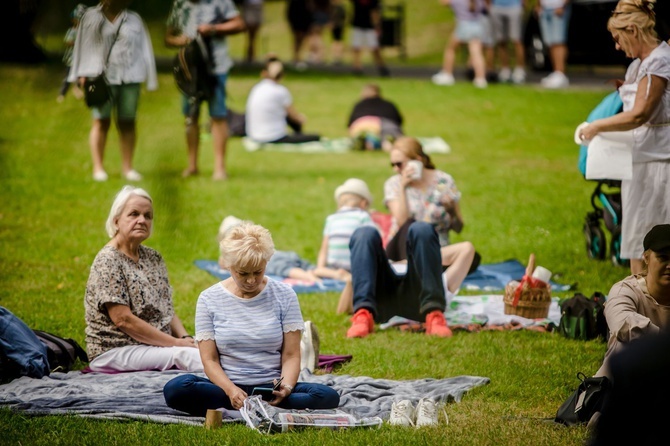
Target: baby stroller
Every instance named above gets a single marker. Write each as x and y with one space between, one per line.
605 199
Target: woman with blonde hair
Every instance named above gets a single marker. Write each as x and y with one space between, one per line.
646 112
248 329
420 192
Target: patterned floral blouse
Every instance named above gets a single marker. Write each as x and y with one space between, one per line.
116 278
425 205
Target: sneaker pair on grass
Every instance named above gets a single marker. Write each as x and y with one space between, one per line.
362 324
426 413
555 80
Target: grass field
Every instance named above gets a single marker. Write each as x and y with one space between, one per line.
512 157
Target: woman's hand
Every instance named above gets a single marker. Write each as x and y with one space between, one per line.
237 397
206 29
448 202
185 342
588 132
283 392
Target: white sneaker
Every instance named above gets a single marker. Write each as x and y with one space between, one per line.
426 412
133 175
504 75
555 80
402 413
442 78
309 347
480 82
519 75
100 175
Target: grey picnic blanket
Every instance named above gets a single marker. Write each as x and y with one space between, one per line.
139 395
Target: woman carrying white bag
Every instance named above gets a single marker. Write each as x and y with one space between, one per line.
646 111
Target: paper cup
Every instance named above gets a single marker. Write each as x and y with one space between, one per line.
542 274
418 168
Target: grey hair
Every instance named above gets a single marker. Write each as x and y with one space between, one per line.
246 244
119 203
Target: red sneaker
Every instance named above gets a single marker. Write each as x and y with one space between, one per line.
362 324
436 325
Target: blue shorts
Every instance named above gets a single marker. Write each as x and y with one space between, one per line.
467 30
282 262
554 28
217 103
124 98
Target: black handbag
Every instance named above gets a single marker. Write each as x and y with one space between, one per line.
96 91
585 401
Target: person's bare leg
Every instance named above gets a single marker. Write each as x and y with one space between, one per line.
301 274
220 140
503 55
458 257
192 144
635 266
356 59
97 140
346 303
127 138
558 54
449 58
252 32
377 56
477 58
519 54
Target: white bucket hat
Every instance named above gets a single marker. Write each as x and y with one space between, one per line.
354 186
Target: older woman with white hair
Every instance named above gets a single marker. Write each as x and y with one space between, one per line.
248 329
130 320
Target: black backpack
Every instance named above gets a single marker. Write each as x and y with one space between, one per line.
584 318
62 353
193 72
585 401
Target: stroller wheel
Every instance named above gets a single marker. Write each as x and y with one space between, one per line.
595 241
615 248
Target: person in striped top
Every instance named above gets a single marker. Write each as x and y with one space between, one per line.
248 328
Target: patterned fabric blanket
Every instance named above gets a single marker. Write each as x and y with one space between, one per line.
139 395
431 145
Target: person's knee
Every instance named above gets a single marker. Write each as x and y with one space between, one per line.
364 234
421 230
326 398
176 390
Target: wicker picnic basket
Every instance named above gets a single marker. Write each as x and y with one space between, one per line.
525 300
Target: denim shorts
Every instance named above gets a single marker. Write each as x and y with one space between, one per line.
469 30
217 103
282 262
554 28
124 98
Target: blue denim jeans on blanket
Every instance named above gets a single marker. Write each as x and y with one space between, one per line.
194 394
384 293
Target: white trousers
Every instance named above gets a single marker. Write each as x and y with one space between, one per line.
147 357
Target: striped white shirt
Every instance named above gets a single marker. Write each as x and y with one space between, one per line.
249 333
339 228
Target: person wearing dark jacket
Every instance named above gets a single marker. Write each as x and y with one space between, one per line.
374 121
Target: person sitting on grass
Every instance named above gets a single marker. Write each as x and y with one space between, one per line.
374 122
248 329
269 106
131 324
353 199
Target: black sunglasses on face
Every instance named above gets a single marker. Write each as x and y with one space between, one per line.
398 165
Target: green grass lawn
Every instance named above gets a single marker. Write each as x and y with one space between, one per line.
512 157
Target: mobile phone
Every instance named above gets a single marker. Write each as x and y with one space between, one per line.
265 393
278 385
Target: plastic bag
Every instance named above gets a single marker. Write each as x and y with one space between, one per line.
267 419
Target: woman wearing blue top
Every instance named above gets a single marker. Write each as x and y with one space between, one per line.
248 329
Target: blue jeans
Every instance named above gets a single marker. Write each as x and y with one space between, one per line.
194 395
217 103
378 289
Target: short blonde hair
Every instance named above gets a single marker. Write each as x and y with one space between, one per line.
630 14
412 149
351 199
246 244
119 203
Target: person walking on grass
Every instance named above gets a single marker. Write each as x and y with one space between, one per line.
213 20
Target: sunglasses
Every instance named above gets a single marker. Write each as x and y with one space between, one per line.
398 165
